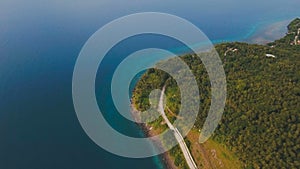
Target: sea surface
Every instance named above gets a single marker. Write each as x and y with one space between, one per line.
39 44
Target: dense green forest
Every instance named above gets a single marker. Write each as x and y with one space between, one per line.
260 123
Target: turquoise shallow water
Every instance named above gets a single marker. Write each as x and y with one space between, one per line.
39 44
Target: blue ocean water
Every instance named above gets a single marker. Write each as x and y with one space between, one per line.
39 44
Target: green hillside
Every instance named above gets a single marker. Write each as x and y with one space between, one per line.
260 124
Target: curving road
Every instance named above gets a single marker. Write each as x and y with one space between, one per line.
187 155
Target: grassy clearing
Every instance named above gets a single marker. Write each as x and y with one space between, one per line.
212 154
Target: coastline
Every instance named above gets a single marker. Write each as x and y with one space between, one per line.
165 158
269 32
261 36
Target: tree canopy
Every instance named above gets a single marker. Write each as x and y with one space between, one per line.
260 123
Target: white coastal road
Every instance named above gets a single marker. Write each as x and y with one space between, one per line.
187 155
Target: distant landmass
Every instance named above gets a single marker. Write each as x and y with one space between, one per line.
260 126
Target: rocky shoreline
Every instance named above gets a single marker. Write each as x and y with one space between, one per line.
165 158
